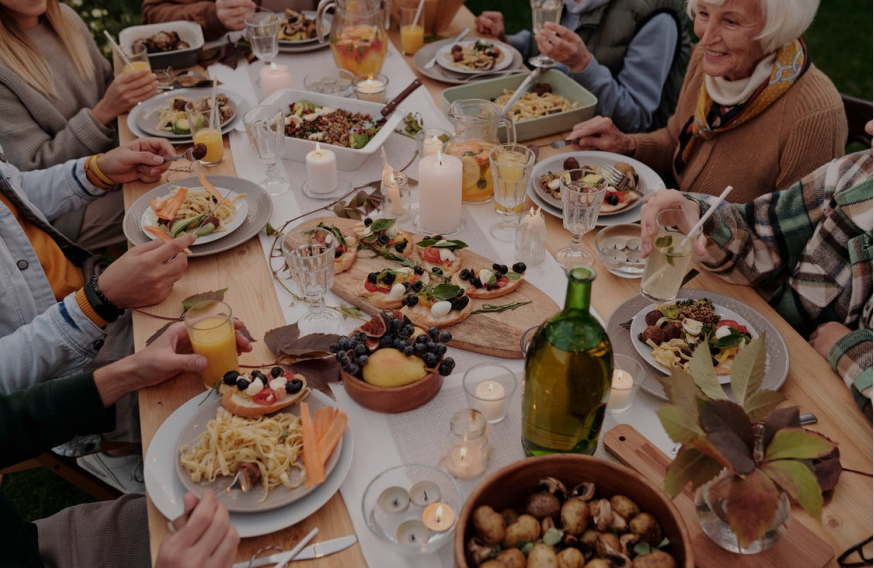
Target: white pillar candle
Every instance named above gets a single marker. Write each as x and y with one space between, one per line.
372 90
321 170
432 146
440 193
490 395
623 386
275 77
438 517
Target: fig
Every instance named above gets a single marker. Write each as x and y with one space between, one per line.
375 327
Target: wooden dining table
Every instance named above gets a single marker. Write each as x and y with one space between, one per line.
812 385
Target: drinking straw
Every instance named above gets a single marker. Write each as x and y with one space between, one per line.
118 49
212 124
418 13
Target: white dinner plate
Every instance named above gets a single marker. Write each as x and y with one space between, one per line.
235 222
444 57
166 490
149 111
649 182
305 45
638 324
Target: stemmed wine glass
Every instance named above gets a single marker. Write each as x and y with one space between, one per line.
543 11
511 168
582 192
309 253
266 129
262 29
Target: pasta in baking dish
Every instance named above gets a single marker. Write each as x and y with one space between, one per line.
533 105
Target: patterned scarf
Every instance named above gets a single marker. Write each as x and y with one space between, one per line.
711 118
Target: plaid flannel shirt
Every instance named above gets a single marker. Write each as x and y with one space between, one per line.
812 243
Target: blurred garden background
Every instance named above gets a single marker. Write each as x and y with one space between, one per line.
840 43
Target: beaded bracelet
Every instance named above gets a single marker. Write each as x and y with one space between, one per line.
101 304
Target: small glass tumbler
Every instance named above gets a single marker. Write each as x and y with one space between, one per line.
396 196
489 388
137 59
628 376
511 168
210 327
199 113
432 140
670 256
371 87
469 448
412 29
337 82
266 129
309 253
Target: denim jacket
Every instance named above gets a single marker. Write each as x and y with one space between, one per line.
40 337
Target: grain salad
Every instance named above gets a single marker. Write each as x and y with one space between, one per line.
309 121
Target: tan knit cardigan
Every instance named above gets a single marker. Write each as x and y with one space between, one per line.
802 130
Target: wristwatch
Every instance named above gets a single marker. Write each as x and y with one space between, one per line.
108 311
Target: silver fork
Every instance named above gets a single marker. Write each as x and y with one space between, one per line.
616 178
242 480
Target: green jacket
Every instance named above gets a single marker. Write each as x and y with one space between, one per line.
32 422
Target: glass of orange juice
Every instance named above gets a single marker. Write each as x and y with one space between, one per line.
198 113
211 331
137 59
412 30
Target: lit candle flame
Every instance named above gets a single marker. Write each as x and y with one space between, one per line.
463 453
391 177
531 212
439 157
435 141
318 150
273 67
491 388
439 515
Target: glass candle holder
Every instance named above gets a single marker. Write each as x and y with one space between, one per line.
531 238
432 140
468 444
628 376
396 195
371 87
337 82
489 388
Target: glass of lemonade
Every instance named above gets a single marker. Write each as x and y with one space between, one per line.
670 256
211 331
412 31
582 192
543 11
511 168
198 113
137 59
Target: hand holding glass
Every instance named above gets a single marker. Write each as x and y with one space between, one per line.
309 253
543 11
670 256
511 167
582 192
266 129
210 328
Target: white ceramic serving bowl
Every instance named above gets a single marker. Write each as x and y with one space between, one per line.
347 158
188 31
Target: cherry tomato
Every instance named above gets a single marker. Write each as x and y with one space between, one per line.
432 255
502 281
731 323
371 287
266 397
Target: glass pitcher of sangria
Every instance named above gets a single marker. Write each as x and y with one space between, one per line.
358 38
476 125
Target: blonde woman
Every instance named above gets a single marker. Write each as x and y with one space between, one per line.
58 99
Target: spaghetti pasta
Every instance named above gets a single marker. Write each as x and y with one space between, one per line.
274 444
532 105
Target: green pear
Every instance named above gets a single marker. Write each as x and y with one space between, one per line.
391 369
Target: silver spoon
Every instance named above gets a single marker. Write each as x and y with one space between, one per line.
193 154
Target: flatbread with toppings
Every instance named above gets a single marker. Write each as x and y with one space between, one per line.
345 248
381 236
481 282
614 200
437 252
439 305
387 288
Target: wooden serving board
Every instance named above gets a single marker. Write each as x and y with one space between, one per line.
497 334
799 547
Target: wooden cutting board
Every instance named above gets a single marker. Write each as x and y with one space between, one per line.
799 547
495 334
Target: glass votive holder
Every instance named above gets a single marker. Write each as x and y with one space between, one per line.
412 508
468 444
489 388
628 376
531 238
396 196
371 87
430 140
337 82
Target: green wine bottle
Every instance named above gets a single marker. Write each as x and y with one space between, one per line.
568 373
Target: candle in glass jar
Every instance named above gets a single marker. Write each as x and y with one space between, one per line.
432 146
371 89
321 170
394 205
531 238
275 77
623 385
466 462
440 193
490 395
438 517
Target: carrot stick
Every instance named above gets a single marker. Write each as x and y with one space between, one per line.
323 417
332 436
313 465
208 186
172 205
158 205
161 235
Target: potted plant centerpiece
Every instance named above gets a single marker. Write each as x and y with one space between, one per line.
746 458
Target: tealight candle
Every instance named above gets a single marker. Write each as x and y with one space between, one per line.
466 462
413 533
424 493
620 393
371 88
431 146
440 193
394 500
491 395
438 517
531 238
275 77
321 170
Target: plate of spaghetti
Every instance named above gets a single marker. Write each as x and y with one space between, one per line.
195 209
215 443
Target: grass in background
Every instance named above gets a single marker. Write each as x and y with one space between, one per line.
840 38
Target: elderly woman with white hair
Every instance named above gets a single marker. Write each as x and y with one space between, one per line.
754 111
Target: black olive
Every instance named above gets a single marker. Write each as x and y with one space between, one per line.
463 302
476 282
571 164
367 221
576 175
437 270
418 270
383 239
492 287
437 237
412 300
276 372
242 384
453 304
519 268
464 274
417 286
496 267
714 350
406 289
293 386
405 301
372 278
389 278
230 377
503 269
401 246
338 253
612 199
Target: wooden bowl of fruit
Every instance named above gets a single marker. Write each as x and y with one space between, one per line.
569 510
391 366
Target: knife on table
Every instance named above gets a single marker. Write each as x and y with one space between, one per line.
316 550
522 89
456 39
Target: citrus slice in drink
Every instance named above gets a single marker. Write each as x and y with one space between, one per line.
470 171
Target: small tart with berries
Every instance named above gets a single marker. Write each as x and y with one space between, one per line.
345 248
437 252
255 394
383 237
479 282
386 289
437 306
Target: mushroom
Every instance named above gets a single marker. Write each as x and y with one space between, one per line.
554 486
512 558
584 491
604 515
597 563
478 551
526 527
510 516
624 506
571 558
627 541
488 525
546 524
618 523
655 559
542 505
590 539
647 528
606 543
616 558
575 516
542 556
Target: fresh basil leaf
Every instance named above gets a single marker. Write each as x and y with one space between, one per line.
449 244
513 275
425 243
732 340
445 291
381 225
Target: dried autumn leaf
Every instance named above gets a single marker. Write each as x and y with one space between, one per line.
797 479
704 446
828 470
748 369
214 296
318 372
310 346
690 465
279 339
158 333
777 420
682 391
245 333
797 444
701 369
761 403
679 424
752 503
730 431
